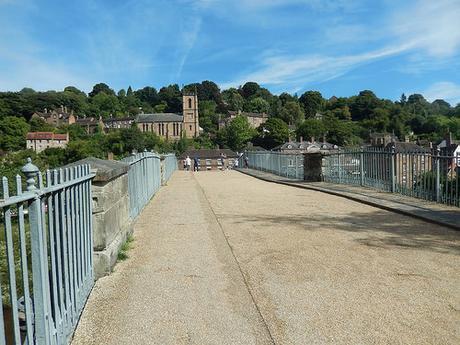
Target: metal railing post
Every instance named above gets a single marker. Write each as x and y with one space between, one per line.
42 305
392 163
438 182
361 166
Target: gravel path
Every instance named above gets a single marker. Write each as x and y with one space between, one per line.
223 258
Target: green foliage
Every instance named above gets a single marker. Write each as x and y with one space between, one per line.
292 113
311 128
13 132
123 253
39 125
312 102
238 133
272 133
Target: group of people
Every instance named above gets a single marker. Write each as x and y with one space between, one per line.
222 158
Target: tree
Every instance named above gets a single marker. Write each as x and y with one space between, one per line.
39 125
172 96
292 113
249 89
13 132
101 87
312 102
258 105
233 100
363 105
272 133
207 116
239 133
105 104
148 95
311 129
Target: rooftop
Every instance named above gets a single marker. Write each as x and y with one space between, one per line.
159 117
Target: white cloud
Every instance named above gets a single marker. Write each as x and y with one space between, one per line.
292 71
429 30
433 26
448 91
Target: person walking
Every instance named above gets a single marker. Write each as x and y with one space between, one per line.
195 164
222 160
246 161
188 163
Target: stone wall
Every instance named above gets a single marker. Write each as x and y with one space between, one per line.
313 163
111 221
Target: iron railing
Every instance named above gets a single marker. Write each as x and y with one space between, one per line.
169 165
144 180
282 164
145 177
46 254
423 174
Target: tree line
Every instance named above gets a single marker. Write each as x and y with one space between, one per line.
344 121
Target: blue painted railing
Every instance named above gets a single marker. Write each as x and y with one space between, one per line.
421 174
49 255
282 164
169 165
144 180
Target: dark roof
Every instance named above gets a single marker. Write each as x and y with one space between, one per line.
403 147
208 153
247 114
119 119
87 121
159 117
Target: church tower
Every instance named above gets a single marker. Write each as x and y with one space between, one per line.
191 126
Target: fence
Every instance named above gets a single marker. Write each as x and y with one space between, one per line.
169 165
282 164
144 180
46 257
426 175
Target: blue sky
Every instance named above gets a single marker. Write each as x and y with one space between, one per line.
338 47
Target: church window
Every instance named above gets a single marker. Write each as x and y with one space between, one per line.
190 103
190 127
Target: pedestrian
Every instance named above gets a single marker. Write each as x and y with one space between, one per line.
236 163
246 161
222 160
188 163
195 164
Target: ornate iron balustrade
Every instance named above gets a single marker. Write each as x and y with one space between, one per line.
48 272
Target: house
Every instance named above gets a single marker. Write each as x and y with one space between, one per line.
254 119
409 160
56 117
382 139
294 147
118 122
172 126
210 159
90 124
40 141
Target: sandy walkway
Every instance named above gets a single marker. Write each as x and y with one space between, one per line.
223 258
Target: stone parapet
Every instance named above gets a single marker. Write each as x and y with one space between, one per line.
111 221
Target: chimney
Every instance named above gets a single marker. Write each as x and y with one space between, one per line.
62 108
406 138
324 138
312 140
301 140
46 110
65 109
449 139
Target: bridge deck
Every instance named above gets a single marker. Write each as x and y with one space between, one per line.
223 258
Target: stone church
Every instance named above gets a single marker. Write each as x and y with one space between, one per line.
172 126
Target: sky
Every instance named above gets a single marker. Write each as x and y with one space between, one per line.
338 47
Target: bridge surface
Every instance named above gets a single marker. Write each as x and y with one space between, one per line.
224 258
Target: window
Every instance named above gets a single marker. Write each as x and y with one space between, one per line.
190 127
190 103
208 162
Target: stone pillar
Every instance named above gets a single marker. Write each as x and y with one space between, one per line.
162 170
111 221
313 163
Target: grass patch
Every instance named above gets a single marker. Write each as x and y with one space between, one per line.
123 253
